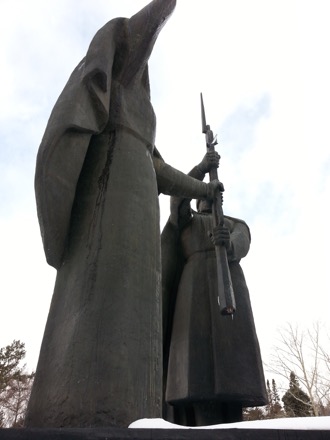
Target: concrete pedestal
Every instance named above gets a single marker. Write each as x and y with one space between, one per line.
161 434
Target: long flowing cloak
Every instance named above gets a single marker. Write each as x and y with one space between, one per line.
207 356
100 362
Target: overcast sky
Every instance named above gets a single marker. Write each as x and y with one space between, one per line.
263 68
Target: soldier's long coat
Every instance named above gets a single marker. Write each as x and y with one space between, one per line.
207 356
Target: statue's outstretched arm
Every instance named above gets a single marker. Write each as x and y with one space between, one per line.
180 202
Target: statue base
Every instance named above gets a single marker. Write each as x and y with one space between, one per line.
160 434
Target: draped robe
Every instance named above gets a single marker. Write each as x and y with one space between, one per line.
98 175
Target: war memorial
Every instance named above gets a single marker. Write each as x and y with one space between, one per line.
142 324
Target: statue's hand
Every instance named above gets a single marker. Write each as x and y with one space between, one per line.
212 188
210 161
221 236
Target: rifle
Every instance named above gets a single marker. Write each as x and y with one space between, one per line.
226 298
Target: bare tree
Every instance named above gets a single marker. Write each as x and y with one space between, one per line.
303 352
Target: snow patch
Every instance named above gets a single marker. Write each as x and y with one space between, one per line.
297 423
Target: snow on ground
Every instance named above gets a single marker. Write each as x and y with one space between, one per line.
298 423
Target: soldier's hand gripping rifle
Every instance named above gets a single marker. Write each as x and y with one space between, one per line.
226 298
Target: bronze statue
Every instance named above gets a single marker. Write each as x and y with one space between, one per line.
98 177
212 362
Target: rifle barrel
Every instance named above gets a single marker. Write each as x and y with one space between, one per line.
226 297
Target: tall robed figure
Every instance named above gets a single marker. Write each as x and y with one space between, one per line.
98 176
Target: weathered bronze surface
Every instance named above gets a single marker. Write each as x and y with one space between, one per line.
97 181
226 296
212 363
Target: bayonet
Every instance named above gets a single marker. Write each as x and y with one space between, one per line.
211 141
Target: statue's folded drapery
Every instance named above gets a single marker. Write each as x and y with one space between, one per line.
100 362
208 356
